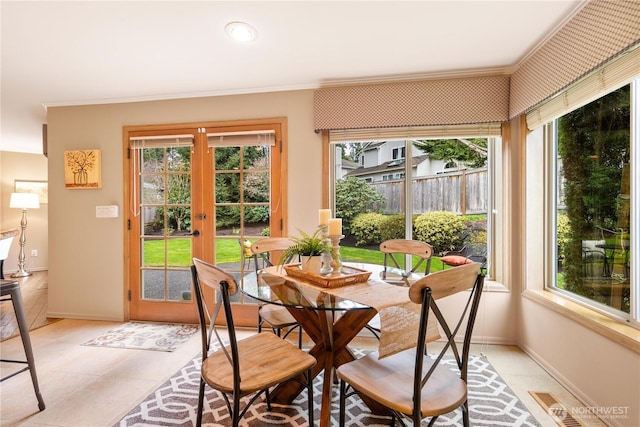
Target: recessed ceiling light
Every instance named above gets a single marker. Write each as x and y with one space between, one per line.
241 31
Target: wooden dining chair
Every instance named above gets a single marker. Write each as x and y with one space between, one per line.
395 251
246 367
277 317
410 383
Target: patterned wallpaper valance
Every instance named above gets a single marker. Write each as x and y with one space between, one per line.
416 103
599 32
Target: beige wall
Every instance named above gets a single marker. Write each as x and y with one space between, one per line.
86 261
28 167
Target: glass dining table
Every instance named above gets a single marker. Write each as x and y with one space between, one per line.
330 317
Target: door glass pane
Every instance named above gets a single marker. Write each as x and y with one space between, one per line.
165 207
153 284
242 204
178 250
256 157
227 187
152 160
256 220
152 221
226 158
256 187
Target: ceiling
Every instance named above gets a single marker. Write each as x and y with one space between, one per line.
87 52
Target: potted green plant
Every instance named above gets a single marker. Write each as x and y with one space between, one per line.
309 247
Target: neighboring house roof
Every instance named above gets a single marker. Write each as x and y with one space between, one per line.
391 165
374 144
348 164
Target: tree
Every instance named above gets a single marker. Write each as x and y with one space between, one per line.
352 150
228 163
593 142
472 152
353 197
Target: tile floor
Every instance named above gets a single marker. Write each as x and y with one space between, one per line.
91 386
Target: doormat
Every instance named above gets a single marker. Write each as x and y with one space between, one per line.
491 403
146 336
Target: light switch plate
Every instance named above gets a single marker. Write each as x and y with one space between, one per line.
110 211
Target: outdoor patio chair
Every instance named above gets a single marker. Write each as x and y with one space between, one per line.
472 252
245 253
592 255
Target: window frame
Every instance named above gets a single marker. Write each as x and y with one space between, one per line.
550 135
496 209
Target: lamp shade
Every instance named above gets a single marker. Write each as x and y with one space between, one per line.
24 201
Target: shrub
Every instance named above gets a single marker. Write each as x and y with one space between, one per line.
392 227
366 228
442 230
353 197
564 234
478 237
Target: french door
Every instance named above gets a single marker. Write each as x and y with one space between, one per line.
198 191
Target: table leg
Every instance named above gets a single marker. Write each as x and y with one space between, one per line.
326 319
330 350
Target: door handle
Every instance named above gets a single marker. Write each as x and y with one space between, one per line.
195 233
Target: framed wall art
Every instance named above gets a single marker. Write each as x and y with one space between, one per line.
41 188
82 169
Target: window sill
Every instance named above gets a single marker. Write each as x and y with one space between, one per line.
620 333
493 286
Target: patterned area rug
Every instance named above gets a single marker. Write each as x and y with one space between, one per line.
492 403
145 336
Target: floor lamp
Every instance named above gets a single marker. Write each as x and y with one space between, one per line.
23 201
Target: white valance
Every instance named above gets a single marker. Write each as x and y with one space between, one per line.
416 132
160 141
240 139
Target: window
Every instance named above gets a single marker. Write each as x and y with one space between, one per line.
594 152
376 207
392 176
398 153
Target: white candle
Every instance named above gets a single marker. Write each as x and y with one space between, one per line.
335 227
324 215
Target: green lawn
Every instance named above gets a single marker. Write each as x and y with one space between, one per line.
228 250
179 252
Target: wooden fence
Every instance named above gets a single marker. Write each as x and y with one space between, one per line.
462 192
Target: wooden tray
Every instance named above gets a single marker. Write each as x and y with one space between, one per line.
347 276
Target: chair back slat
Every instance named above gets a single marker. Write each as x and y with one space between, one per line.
427 292
222 285
446 282
412 247
266 249
394 248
